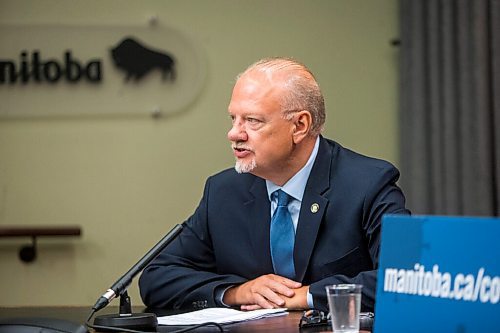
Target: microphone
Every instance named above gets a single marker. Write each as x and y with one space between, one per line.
126 319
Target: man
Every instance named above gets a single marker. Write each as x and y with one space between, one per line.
298 212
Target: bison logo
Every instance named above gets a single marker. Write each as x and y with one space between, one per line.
137 60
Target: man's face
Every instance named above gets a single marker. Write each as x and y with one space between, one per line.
260 137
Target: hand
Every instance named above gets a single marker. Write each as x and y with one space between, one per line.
267 291
299 300
296 302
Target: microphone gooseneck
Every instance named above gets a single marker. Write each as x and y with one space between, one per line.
119 288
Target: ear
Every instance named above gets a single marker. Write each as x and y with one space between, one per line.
302 125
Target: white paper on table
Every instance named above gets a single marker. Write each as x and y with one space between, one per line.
219 315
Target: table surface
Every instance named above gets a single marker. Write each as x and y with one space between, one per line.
289 323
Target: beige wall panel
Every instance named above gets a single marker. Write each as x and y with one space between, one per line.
128 180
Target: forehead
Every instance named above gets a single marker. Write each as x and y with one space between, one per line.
255 91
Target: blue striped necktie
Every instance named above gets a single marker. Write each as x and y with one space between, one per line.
282 237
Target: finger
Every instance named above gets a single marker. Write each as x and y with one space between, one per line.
250 307
264 302
266 289
281 289
274 297
286 281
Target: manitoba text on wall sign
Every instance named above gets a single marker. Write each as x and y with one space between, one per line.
75 70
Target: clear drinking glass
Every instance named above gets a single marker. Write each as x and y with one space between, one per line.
345 304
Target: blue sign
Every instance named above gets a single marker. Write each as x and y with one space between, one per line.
438 274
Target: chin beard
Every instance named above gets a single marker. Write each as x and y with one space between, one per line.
242 167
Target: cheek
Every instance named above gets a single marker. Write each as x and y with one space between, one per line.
270 143
273 147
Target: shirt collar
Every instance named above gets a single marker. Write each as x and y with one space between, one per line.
296 186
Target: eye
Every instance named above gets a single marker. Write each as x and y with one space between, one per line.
253 120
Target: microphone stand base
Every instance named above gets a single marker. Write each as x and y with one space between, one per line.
134 321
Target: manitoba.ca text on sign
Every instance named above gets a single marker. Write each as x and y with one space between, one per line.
439 274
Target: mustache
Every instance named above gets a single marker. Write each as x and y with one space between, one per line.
240 146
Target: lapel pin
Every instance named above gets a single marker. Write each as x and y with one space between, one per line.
314 208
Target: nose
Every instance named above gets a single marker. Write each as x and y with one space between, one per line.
237 133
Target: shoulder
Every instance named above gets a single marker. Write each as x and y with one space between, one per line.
346 155
229 187
355 167
229 178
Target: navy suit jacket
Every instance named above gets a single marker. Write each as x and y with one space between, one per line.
226 241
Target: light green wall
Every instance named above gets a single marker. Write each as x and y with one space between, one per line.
127 181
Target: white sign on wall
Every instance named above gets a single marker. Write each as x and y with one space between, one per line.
56 70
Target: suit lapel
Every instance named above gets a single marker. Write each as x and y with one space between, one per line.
259 212
312 209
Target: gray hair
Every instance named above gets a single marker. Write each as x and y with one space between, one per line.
302 92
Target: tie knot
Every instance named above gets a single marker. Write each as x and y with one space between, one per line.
283 198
